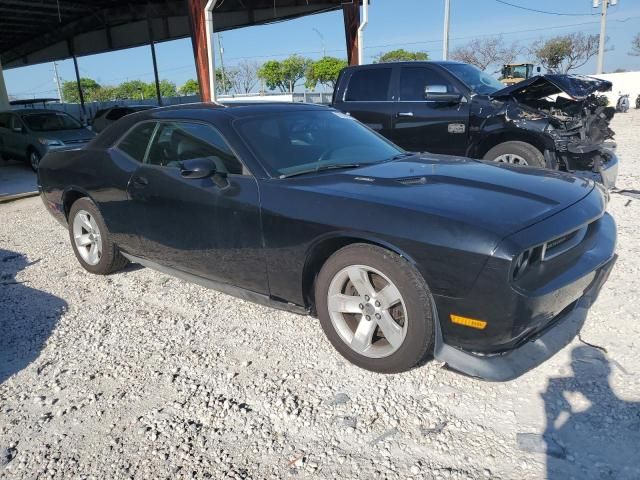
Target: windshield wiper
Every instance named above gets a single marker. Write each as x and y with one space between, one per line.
401 155
337 166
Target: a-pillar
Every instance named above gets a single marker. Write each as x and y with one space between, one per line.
4 98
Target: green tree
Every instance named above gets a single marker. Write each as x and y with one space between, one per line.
284 75
132 90
324 71
224 83
89 88
190 87
565 53
401 55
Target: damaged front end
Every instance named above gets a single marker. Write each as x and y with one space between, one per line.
578 122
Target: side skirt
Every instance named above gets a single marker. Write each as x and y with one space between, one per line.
232 290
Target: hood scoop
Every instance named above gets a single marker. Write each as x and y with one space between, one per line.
421 180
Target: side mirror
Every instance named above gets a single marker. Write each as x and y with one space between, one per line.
439 93
199 168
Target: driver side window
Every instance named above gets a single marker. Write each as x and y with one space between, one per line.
175 142
414 80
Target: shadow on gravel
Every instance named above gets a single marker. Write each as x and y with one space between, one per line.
590 432
27 316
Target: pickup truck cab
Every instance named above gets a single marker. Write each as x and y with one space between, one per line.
453 108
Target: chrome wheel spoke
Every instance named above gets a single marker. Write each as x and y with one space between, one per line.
83 240
390 329
84 221
389 296
360 279
344 303
363 336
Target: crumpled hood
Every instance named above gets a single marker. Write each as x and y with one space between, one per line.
578 87
490 196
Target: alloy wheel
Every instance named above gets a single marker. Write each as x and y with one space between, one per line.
87 238
512 159
367 311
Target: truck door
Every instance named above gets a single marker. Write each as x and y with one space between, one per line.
431 113
367 97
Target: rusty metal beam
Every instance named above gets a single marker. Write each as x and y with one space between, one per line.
351 16
199 43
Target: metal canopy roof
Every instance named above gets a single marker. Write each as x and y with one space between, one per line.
36 31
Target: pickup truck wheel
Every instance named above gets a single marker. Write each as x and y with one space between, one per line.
34 159
516 153
375 308
91 240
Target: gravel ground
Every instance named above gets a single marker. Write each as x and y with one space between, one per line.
139 375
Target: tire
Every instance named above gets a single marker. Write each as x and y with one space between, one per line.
412 329
33 159
516 153
94 248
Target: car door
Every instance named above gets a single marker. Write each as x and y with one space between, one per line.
367 97
210 226
4 134
16 137
430 122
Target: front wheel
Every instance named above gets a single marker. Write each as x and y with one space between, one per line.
91 241
375 308
516 153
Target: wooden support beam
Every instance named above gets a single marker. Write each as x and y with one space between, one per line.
351 15
199 43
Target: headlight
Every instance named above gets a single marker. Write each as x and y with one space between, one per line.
50 143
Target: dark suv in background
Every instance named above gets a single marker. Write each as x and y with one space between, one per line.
453 108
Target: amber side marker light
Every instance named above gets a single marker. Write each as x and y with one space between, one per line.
468 322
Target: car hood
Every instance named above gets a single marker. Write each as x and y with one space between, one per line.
493 197
578 87
68 136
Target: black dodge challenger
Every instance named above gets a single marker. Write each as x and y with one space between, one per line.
487 267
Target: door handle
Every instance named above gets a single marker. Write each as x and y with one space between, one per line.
140 181
405 114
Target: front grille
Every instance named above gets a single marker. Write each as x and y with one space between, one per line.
562 244
71 142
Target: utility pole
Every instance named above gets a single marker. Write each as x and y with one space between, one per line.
324 51
224 80
57 80
445 37
603 30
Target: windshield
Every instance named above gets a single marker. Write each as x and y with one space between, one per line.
302 141
50 121
477 80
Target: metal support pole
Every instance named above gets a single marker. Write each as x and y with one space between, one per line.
57 80
208 15
603 36
4 98
224 77
363 24
445 38
82 109
155 62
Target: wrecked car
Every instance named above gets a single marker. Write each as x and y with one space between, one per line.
453 108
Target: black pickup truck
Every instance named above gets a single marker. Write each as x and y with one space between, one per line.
453 108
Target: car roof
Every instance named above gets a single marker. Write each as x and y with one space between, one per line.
412 63
235 110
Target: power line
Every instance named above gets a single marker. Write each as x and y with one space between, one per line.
545 11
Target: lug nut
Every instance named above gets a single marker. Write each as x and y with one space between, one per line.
377 303
366 297
378 316
361 307
368 317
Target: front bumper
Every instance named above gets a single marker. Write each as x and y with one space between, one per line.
535 350
605 173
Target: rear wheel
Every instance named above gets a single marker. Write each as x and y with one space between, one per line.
516 153
91 241
34 159
375 308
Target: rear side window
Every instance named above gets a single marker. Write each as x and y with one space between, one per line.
135 142
4 120
117 113
369 85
